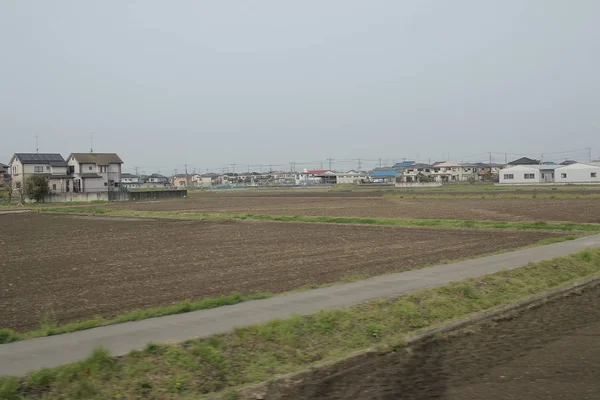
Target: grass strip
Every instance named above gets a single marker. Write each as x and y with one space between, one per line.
254 354
8 335
441 223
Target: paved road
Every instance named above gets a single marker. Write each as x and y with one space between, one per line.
21 357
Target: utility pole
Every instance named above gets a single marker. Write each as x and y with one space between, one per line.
379 162
233 168
37 147
330 160
136 170
505 159
589 154
91 142
359 165
490 154
186 175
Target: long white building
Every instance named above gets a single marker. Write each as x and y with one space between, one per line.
527 174
578 173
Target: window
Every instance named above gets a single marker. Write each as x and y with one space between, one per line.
509 176
103 169
47 168
54 186
90 168
105 184
592 174
529 176
38 169
563 175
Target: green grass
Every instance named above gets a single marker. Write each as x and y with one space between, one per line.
441 223
256 353
8 335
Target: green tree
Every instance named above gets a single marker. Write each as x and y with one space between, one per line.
36 188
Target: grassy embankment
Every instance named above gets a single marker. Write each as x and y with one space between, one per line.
256 353
440 223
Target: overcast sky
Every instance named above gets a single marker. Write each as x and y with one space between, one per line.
211 83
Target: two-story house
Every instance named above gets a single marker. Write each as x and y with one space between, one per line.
4 173
130 181
95 172
49 165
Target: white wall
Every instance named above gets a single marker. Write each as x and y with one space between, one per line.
518 175
578 173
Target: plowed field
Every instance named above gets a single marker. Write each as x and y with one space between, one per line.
69 268
574 210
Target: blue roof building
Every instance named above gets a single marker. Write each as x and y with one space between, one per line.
384 175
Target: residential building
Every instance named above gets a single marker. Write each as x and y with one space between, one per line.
384 176
208 179
528 174
525 161
130 181
578 173
95 172
157 179
403 164
415 173
352 177
179 180
49 165
449 171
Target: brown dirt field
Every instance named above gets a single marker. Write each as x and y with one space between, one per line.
573 210
72 268
549 352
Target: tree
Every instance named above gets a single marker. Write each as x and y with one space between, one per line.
36 188
8 188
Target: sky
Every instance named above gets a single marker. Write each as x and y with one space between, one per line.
215 83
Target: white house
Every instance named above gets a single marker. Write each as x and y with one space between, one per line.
95 172
527 174
352 177
130 181
49 165
578 173
449 171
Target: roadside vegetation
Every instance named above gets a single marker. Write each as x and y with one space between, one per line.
256 353
440 223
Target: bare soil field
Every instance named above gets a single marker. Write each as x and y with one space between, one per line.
549 352
69 268
573 210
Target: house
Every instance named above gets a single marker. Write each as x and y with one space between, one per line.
208 179
415 173
403 164
352 177
384 176
95 172
449 171
130 181
525 161
528 174
49 165
578 173
179 180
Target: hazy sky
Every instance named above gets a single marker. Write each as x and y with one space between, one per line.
211 83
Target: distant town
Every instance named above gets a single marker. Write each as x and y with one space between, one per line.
102 173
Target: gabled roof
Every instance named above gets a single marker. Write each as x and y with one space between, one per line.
578 165
54 159
128 175
3 166
568 162
524 161
382 173
97 158
403 164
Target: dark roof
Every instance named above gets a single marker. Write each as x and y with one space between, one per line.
97 158
157 176
128 175
568 162
53 159
403 164
4 166
524 161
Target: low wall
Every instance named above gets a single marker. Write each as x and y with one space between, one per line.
417 184
140 195
69 197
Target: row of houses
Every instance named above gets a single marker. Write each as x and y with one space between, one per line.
79 173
